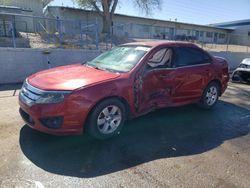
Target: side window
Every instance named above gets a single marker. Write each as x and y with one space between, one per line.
161 59
190 56
158 56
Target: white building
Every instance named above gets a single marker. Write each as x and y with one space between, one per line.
35 6
139 27
23 11
240 31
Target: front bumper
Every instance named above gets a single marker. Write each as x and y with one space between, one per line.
34 116
241 75
62 118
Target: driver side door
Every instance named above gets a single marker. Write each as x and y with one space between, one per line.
157 81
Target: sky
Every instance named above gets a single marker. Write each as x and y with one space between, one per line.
188 11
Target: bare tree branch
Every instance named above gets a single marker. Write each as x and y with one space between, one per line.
93 3
114 7
148 6
106 8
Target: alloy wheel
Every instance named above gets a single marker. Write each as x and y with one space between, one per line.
109 119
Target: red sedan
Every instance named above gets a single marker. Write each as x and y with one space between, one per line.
128 81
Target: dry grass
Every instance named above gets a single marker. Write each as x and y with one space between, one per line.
36 40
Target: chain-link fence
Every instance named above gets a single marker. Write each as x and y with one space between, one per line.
39 32
212 41
22 31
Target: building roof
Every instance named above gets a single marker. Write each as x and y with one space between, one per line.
232 23
138 17
12 8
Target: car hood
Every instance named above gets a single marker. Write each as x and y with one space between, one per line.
242 69
69 77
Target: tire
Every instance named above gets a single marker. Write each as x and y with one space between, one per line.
210 96
106 119
236 78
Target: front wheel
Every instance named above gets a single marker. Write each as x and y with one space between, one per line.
236 77
210 96
106 119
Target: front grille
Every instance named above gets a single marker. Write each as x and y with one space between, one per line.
244 66
29 94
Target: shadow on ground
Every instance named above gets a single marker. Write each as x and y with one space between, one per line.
165 133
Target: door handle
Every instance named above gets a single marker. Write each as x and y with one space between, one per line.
163 76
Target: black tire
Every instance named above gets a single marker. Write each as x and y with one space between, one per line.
95 130
236 78
204 101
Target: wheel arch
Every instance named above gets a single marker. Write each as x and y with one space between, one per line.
218 82
121 99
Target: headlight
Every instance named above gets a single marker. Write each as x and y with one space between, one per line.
51 97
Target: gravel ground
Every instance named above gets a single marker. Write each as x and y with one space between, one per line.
174 147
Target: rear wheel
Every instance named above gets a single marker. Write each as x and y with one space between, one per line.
106 119
210 96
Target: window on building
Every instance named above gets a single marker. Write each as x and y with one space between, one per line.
190 56
222 35
159 29
131 26
209 34
197 33
144 28
120 27
201 33
248 33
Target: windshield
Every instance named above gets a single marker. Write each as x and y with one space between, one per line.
119 59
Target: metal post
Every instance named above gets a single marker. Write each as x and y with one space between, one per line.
174 31
106 38
60 32
96 34
4 28
213 40
111 35
59 25
81 34
203 39
228 35
13 33
86 38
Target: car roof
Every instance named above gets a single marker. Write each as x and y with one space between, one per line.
160 43
246 61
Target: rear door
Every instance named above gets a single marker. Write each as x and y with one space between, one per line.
193 71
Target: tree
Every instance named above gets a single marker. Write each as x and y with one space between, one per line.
106 8
46 2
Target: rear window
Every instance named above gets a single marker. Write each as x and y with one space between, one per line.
190 56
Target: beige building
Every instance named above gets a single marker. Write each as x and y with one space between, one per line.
17 14
138 27
34 6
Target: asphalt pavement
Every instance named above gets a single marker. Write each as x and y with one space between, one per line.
172 147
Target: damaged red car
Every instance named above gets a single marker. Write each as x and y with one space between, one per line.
126 82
